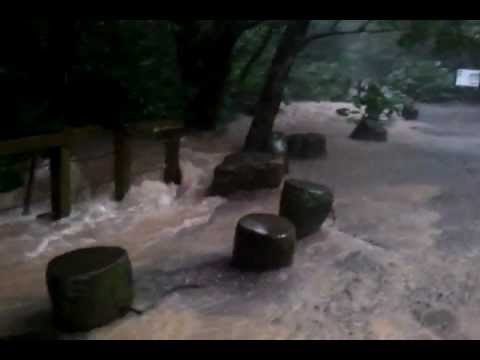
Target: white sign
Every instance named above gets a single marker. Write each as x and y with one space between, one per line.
468 78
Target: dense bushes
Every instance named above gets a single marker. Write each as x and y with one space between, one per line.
423 80
319 80
245 84
140 55
129 70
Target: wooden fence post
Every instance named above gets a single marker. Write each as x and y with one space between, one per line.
27 202
173 172
60 182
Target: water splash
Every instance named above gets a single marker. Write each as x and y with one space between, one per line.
171 207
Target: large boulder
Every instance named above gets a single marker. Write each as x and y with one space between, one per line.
367 132
307 205
307 146
89 288
248 171
263 242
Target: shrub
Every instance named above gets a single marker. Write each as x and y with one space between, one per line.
377 103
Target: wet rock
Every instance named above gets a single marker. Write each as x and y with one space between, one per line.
263 242
439 321
89 288
410 112
366 132
307 146
247 171
343 112
307 205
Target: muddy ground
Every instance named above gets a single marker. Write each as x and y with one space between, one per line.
400 262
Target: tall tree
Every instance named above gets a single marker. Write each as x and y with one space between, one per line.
204 54
271 96
264 42
296 38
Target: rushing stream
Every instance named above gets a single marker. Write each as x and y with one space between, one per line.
400 262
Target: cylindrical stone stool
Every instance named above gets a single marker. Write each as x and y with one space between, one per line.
307 205
263 242
89 288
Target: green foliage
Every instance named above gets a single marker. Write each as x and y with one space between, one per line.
246 92
141 55
24 110
319 80
327 68
423 80
443 38
378 103
418 33
419 60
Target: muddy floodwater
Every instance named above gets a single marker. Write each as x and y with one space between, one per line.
400 262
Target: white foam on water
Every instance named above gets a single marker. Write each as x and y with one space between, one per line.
42 247
171 206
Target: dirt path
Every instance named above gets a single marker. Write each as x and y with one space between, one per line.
400 263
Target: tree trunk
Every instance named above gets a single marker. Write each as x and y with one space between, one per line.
204 69
256 55
270 99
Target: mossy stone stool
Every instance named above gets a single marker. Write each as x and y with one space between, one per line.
307 205
89 288
263 242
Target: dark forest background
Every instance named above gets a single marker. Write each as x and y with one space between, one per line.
73 72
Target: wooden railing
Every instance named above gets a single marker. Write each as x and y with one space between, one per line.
58 148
